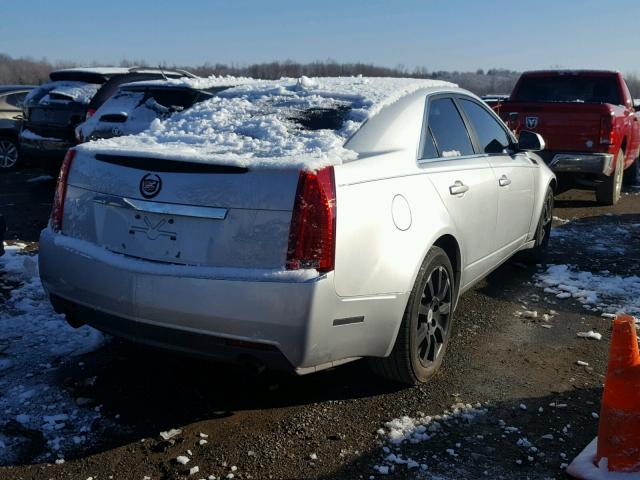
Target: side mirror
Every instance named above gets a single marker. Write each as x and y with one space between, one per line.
530 142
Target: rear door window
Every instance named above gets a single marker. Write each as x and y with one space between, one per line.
446 130
16 99
569 88
491 135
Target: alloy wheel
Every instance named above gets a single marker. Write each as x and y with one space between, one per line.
8 154
433 316
547 217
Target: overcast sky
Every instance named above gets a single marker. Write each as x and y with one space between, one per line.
439 35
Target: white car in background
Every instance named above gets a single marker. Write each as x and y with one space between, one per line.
297 225
134 106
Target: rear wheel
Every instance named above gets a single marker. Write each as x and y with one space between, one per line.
632 174
426 326
609 192
8 154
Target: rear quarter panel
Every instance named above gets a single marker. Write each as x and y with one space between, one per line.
373 255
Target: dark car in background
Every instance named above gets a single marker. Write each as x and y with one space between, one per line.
53 110
11 100
135 105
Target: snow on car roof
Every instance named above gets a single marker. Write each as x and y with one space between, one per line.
97 70
196 83
286 123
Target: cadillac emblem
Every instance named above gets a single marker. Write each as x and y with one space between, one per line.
150 185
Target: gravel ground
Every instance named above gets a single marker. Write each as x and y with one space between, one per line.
534 405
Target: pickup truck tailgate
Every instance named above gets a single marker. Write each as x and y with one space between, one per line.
564 126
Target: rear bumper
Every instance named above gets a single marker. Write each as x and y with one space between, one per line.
577 162
289 323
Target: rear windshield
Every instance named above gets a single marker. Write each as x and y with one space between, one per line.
569 88
62 92
112 85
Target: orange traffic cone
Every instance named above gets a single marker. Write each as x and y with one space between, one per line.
619 431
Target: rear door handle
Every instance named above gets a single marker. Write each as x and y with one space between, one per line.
458 188
504 181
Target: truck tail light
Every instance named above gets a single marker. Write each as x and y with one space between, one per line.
312 233
90 113
607 134
61 191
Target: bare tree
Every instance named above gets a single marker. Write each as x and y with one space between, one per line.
493 80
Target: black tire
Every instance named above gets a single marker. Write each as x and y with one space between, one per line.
609 192
426 325
538 253
9 154
632 174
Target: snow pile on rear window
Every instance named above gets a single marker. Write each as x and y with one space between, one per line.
80 92
286 123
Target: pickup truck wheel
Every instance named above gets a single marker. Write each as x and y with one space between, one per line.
426 324
632 174
8 154
609 192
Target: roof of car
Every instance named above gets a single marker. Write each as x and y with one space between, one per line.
12 88
286 123
568 71
101 74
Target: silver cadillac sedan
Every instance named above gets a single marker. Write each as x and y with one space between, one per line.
297 224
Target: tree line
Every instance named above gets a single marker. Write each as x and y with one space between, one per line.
493 81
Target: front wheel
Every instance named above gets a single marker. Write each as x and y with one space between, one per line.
8 154
426 325
609 192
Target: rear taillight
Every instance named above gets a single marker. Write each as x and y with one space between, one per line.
312 236
90 113
607 135
61 191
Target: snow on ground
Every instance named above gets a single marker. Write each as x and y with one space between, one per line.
261 123
407 430
601 278
604 292
34 343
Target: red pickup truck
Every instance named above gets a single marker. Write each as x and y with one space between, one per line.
589 124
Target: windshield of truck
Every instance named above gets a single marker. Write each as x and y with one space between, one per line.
569 88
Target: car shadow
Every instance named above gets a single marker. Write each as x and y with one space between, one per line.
141 391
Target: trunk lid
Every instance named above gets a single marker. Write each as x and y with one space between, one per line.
181 212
